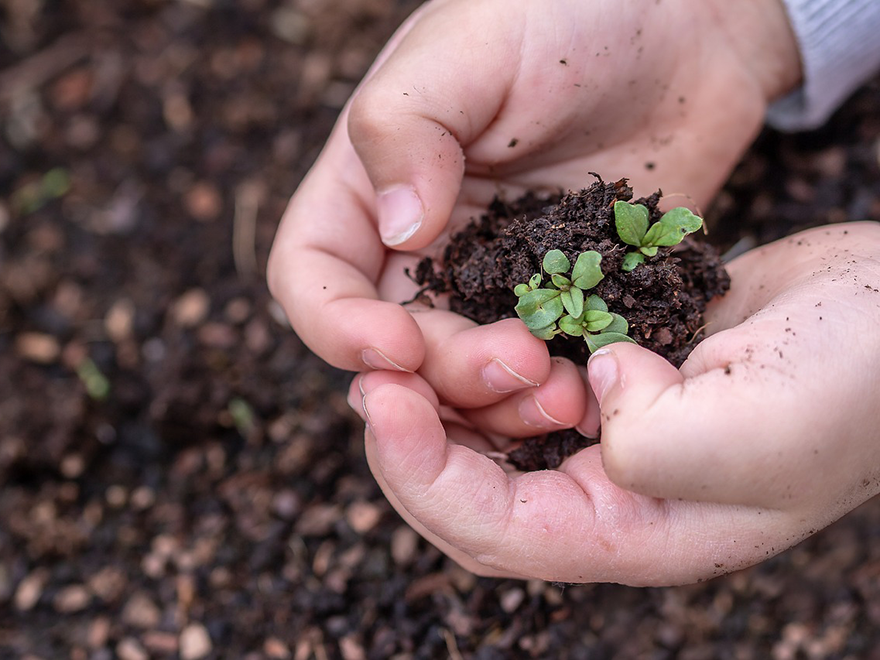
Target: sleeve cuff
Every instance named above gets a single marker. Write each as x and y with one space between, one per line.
839 42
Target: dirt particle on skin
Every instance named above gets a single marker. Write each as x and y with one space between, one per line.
650 165
563 62
513 142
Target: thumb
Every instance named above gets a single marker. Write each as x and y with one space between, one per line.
411 120
721 435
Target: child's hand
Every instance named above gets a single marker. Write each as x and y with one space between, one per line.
473 98
770 431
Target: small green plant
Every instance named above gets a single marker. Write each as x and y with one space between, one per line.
632 220
563 306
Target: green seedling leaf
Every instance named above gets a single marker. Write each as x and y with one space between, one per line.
631 221
535 281
96 384
631 260
587 271
648 250
683 217
595 321
672 228
595 342
596 303
242 416
618 325
573 301
556 262
571 326
521 289
561 281
539 308
546 333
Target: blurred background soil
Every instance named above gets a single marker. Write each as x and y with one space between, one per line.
180 477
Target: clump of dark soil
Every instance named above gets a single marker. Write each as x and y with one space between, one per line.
663 299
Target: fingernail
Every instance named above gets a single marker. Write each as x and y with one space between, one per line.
400 214
533 414
369 420
500 378
603 372
376 359
589 432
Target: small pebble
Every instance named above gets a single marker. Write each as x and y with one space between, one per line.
141 612
37 347
512 599
195 642
276 649
30 589
363 516
131 649
191 308
71 599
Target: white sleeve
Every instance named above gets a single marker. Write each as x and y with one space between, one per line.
839 42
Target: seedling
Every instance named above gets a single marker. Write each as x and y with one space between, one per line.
632 220
563 306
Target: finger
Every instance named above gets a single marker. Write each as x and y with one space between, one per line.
590 423
471 366
410 133
456 554
558 403
572 525
323 267
728 434
366 382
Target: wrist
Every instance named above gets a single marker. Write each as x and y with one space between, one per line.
760 33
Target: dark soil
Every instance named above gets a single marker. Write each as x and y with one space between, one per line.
216 501
663 299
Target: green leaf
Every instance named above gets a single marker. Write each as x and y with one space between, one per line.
618 324
96 384
587 272
556 262
683 217
561 281
672 228
521 290
535 281
596 303
571 326
539 308
546 333
595 321
648 250
631 221
573 301
595 342
633 259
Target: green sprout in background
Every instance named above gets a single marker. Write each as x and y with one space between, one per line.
563 306
96 384
631 221
54 184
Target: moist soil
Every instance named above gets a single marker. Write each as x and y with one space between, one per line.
214 501
663 299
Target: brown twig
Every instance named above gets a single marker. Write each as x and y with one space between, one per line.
248 197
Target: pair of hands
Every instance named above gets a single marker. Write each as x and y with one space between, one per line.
766 434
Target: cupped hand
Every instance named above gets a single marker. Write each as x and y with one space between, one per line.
766 434
476 98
